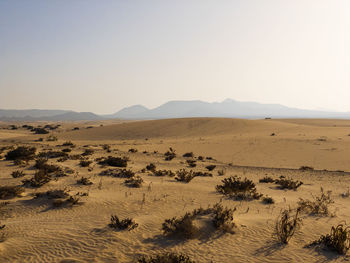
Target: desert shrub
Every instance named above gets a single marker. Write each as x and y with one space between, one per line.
238 189
221 172
20 162
202 174
151 167
191 163
85 163
66 150
166 258
287 183
68 144
163 173
124 224
184 176
70 201
40 131
319 206
267 200
180 227
52 154
169 155
287 224
223 218
201 158
41 164
84 181
306 168
10 191
135 181
17 174
119 173
132 150
21 153
338 240
106 147
114 161
40 178
88 152
189 154
267 179
75 157
209 158
210 167
52 138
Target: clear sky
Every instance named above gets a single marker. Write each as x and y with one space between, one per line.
103 55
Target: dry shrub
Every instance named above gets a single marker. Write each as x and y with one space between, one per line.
338 240
151 167
169 155
319 206
188 155
68 144
306 168
118 173
21 153
17 174
191 163
85 163
135 182
267 200
52 194
84 181
288 183
52 154
7 192
211 167
114 161
40 178
238 189
203 174
132 150
287 224
184 176
124 224
267 179
166 258
163 173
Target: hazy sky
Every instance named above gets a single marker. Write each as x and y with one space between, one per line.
103 55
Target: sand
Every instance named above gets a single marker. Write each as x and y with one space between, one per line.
36 232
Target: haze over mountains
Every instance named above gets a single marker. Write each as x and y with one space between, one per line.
177 109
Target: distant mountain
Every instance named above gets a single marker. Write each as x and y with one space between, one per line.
178 109
227 108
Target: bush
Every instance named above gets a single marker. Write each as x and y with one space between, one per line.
52 154
180 227
52 194
66 150
40 131
202 174
17 174
319 206
306 168
132 150
184 176
40 178
114 161
85 163
88 152
21 153
151 167
223 218
189 154
267 179
286 225
221 172
68 144
135 181
124 224
84 181
169 155
210 167
289 184
191 163
119 173
41 164
163 173
106 147
166 258
338 240
238 189
10 191
268 200
51 138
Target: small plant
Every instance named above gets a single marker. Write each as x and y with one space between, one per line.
338 240
184 176
191 163
319 206
267 200
202 174
267 179
180 227
52 154
188 155
118 173
21 153
68 144
106 147
132 150
306 168
163 173
84 181
223 218
169 155
51 138
66 150
40 178
52 194
238 189
40 131
286 183
221 172
85 163
88 152
10 191
151 167
124 224
286 225
135 182
114 161
17 174
210 167
166 258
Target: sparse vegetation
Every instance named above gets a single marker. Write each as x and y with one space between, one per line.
85 163
7 192
24 153
119 173
114 161
84 181
211 167
169 155
68 144
267 179
17 174
40 178
191 163
238 189
338 240
319 206
151 167
135 181
125 224
166 258
287 183
287 224
267 200
163 173
88 152
184 176
188 155
132 150
306 168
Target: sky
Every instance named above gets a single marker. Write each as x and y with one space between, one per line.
103 55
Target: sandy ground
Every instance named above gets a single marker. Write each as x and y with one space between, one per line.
36 232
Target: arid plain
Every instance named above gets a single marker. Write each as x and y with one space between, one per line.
39 228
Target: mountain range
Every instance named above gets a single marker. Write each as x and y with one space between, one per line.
177 109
